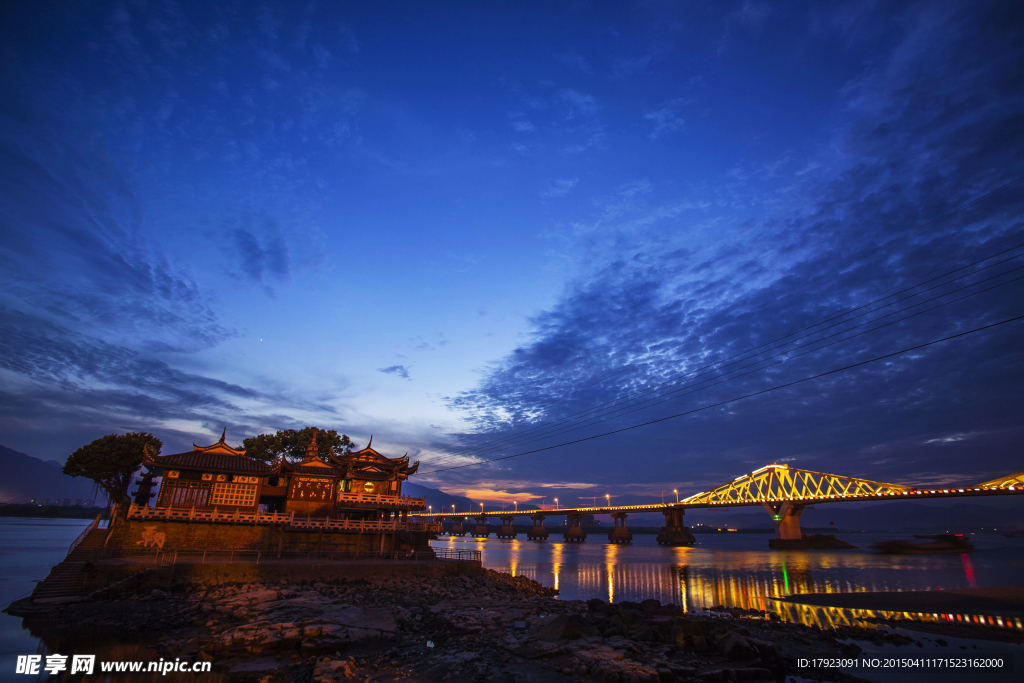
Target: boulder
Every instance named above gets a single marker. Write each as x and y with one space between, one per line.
562 627
651 607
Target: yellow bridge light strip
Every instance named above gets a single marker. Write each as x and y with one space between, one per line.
775 482
1010 482
769 484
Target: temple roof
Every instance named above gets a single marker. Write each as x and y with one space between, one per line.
206 460
370 464
219 457
314 467
220 446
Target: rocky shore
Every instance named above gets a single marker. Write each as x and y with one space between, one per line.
492 627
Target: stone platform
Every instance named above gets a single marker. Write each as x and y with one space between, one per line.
147 576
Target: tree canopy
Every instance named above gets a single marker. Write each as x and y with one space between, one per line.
112 460
293 443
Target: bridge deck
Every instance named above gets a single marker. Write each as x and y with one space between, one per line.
658 507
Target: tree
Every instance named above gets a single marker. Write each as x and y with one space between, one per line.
293 443
112 460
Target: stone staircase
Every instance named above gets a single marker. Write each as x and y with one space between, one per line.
65 583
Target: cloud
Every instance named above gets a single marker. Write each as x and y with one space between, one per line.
399 370
579 104
102 271
348 40
666 118
523 126
752 13
580 122
263 258
494 496
559 187
631 66
655 300
567 485
65 388
576 62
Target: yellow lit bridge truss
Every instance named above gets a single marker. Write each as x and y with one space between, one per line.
775 483
1009 481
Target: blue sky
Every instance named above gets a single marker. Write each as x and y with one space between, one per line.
441 226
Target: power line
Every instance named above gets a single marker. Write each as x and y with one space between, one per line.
671 396
740 398
540 429
509 439
871 252
963 207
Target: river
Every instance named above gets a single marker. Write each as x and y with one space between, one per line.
721 569
739 570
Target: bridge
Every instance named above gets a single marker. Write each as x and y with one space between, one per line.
784 492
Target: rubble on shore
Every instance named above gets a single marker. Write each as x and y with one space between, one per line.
492 627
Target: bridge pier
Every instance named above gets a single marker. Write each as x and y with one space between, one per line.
787 530
537 532
620 534
787 519
506 530
575 532
480 530
458 527
675 532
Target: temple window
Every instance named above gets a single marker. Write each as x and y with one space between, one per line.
234 494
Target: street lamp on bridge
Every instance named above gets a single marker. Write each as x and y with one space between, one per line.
608 499
676 491
556 503
516 505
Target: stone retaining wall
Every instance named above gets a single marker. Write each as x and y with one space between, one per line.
103 574
152 534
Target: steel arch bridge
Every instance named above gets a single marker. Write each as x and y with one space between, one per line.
783 491
776 483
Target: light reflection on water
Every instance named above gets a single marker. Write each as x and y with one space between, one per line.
740 571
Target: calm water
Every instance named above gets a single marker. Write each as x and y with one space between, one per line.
732 570
28 548
738 570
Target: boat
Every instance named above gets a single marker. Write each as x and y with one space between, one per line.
939 543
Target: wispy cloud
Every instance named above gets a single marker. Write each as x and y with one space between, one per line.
666 118
576 62
630 66
579 104
397 370
657 302
559 187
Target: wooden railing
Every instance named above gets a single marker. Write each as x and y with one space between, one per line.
215 515
378 499
81 537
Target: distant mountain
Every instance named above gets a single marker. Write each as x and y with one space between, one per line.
439 499
25 478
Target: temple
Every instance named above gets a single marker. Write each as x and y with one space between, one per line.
357 494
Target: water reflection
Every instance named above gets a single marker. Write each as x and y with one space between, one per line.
732 572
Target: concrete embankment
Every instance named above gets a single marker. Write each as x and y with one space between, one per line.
146 576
